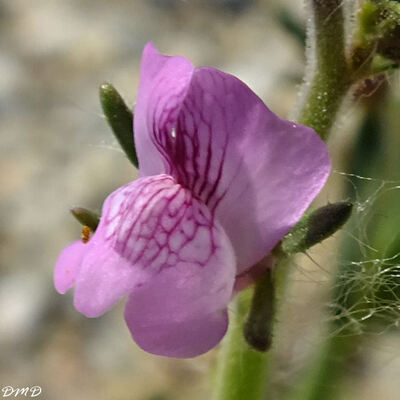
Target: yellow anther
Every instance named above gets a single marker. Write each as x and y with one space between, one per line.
85 235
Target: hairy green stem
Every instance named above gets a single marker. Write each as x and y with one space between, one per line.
329 84
242 371
330 80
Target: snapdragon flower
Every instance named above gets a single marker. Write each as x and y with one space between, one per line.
222 180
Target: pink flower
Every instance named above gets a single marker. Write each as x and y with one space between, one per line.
223 179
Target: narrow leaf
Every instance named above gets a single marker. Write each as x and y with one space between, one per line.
120 119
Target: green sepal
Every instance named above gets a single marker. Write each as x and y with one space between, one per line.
316 226
86 217
120 119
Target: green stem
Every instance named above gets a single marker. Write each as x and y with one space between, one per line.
242 371
330 80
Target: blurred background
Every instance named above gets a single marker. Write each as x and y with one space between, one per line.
57 152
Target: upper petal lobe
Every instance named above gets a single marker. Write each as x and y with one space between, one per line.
164 82
255 172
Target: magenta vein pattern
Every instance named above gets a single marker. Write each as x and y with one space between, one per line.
156 223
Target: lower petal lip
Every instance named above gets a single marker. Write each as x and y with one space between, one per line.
188 338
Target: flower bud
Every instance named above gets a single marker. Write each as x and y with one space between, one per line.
258 328
86 217
316 226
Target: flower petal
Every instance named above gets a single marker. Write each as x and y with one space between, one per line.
256 172
181 312
105 277
163 85
154 233
106 274
68 266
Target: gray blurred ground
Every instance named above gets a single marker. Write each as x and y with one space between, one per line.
56 152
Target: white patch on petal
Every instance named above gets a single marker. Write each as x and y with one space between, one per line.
111 226
167 222
176 240
189 227
161 238
199 249
161 259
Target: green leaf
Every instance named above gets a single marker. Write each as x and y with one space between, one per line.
120 119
